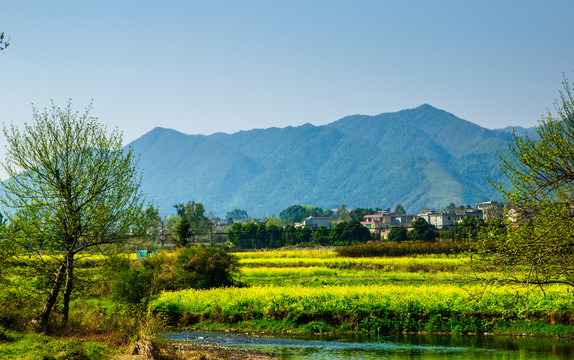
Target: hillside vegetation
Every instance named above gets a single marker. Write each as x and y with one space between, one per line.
417 157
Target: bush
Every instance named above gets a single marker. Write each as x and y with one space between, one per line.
163 267
17 309
397 234
402 249
133 285
191 267
205 268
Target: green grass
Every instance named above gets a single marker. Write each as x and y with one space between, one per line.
32 346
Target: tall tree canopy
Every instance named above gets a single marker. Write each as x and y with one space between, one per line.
358 214
237 214
399 210
397 234
72 188
192 221
537 246
293 214
422 231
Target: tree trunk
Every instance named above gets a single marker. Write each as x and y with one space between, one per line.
51 300
69 286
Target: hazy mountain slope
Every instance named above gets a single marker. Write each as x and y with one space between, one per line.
392 135
180 168
308 165
469 152
521 131
444 131
418 157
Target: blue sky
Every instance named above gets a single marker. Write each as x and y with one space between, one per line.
208 66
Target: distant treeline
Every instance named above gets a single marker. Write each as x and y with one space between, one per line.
259 236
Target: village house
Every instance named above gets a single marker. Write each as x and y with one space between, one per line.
313 222
379 221
383 221
445 219
488 208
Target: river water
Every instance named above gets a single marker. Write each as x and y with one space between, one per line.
333 347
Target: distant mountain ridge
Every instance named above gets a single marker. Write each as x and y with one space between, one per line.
521 131
416 157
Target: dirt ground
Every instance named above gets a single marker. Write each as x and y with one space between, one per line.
219 352
179 351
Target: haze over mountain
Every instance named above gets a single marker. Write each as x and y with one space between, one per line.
521 131
416 157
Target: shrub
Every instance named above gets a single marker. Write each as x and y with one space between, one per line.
133 285
397 234
191 267
163 267
205 268
402 249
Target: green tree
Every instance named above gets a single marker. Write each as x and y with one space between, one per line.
537 247
191 267
205 268
289 235
294 214
304 235
397 234
422 231
183 232
169 229
399 210
5 252
234 234
342 214
72 188
237 214
133 285
358 214
469 228
356 233
274 236
273 220
193 222
317 211
321 235
347 233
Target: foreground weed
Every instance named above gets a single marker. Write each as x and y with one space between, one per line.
32 346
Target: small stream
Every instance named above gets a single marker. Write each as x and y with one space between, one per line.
355 347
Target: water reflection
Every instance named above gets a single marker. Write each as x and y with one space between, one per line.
361 347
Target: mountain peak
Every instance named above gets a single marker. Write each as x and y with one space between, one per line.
359 161
425 106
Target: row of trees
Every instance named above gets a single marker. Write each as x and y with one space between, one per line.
259 236
192 224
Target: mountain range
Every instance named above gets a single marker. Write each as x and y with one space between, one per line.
416 157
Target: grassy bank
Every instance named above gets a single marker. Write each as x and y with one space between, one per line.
32 346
